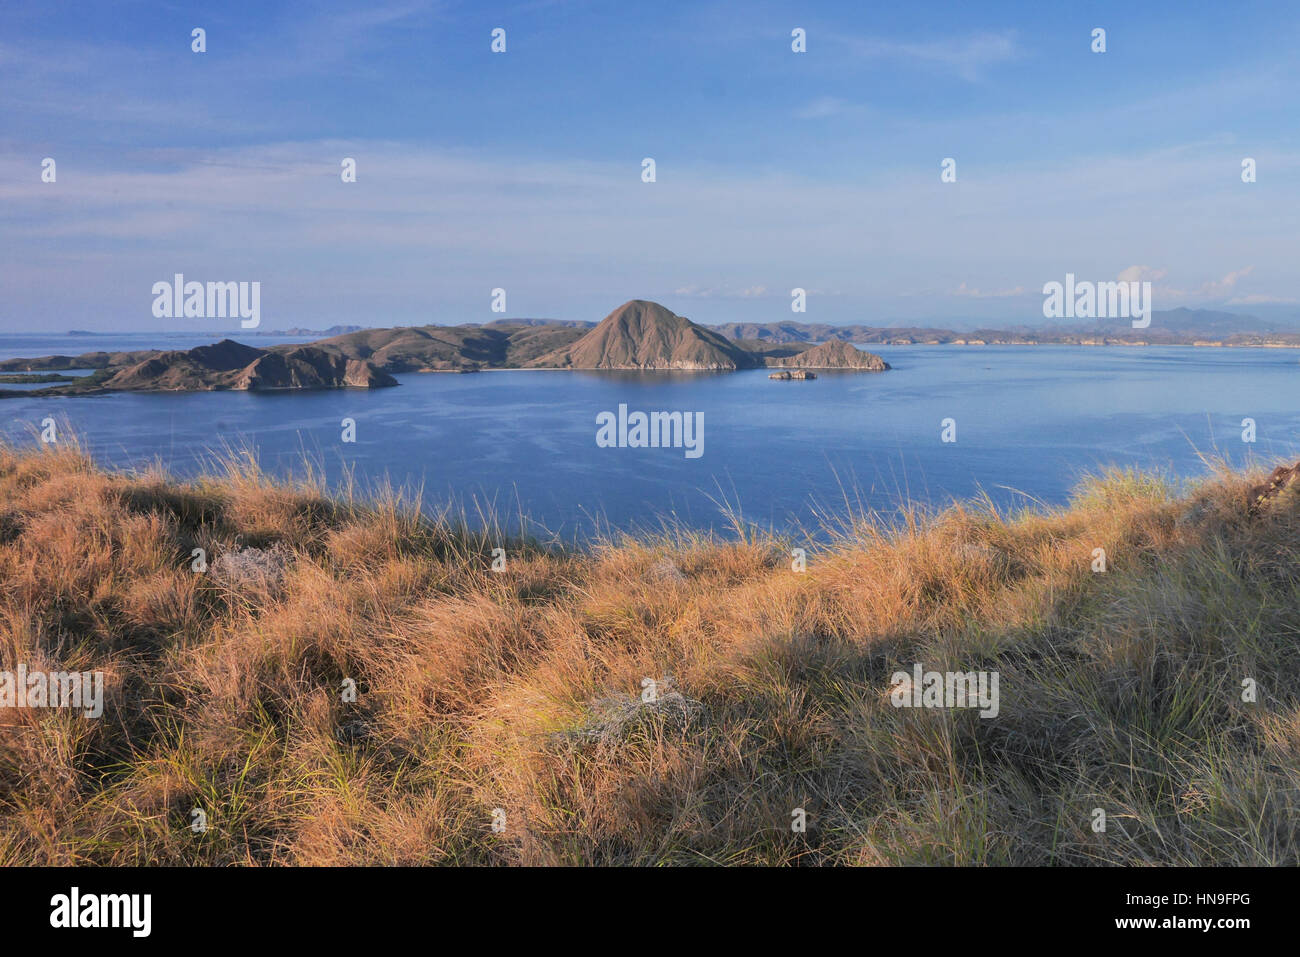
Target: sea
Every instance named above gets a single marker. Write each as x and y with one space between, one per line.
1019 425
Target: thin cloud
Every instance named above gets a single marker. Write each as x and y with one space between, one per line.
967 57
822 106
426 229
1211 289
1141 274
1224 286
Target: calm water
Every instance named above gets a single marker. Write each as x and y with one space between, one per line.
1029 420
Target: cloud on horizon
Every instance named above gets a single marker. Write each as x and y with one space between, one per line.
429 232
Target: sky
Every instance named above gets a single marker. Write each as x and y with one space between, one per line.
523 170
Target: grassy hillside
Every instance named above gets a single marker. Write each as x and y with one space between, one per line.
520 689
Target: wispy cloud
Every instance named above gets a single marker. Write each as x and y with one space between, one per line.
466 182
1211 290
968 57
1224 286
1141 274
821 107
427 232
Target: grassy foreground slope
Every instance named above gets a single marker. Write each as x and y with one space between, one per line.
520 689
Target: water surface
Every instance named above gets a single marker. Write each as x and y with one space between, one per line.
1029 420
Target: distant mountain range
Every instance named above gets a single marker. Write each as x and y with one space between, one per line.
1172 327
321 333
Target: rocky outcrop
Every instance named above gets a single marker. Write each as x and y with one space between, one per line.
796 374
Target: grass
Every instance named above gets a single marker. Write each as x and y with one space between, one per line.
520 689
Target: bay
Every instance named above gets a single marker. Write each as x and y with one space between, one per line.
1029 421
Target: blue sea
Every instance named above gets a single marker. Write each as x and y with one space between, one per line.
1029 420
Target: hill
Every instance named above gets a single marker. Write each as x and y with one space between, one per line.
522 689
467 347
222 365
309 368
645 335
832 355
174 370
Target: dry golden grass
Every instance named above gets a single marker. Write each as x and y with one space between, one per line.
479 690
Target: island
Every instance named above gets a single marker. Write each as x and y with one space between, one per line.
639 335
834 354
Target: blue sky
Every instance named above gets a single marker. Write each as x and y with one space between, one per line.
522 170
